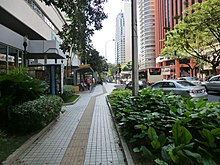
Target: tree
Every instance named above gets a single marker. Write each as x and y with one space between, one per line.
113 68
96 62
127 67
197 35
84 17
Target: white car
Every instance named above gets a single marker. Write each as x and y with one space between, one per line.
194 80
212 84
181 87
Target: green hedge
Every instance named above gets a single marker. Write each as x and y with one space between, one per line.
169 129
34 115
17 87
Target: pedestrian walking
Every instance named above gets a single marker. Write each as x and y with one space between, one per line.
88 82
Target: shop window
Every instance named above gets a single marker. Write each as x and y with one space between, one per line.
14 57
170 62
3 50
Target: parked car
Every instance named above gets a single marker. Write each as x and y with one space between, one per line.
194 80
140 83
181 87
212 84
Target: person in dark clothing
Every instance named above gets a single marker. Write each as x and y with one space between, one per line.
88 82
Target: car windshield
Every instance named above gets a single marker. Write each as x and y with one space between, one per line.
188 78
186 83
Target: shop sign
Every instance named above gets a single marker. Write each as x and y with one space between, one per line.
84 65
165 71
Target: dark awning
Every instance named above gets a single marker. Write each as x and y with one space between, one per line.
84 69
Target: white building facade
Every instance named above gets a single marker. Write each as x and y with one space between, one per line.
128 45
120 39
29 26
147 56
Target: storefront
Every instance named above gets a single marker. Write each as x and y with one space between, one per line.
9 57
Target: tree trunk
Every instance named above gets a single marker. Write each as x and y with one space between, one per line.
214 69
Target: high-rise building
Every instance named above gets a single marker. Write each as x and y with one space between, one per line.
127 16
168 13
147 34
120 39
31 27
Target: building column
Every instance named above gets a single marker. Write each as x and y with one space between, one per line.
6 60
74 77
164 63
17 59
45 59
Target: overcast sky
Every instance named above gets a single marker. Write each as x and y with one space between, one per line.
102 40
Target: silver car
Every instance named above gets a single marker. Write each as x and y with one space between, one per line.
194 80
212 84
181 87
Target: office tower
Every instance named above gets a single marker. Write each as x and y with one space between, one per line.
147 56
120 39
128 46
168 13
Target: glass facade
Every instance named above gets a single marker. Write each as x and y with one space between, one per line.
9 57
40 12
120 39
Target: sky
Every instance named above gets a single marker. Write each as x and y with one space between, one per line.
102 40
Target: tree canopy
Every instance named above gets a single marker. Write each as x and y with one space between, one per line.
127 67
84 17
97 62
197 35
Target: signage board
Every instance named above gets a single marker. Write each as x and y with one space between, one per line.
165 71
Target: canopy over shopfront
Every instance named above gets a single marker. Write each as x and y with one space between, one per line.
41 49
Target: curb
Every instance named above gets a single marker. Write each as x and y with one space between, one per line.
15 155
72 102
126 151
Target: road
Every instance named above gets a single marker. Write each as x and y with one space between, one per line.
214 97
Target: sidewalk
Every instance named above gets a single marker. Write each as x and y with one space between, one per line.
83 135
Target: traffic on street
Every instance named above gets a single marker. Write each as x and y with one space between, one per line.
212 96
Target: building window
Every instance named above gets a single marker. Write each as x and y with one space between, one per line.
40 12
13 60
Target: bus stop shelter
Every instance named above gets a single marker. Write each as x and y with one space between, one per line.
81 73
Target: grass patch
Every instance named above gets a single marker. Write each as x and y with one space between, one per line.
67 87
9 144
71 99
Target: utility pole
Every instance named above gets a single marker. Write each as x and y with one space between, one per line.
135 76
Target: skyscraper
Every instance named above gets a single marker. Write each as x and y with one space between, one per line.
147 33
120 39
127 16
168 13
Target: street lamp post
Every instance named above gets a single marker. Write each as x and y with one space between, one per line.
106 44
134 48
67 70
25 51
